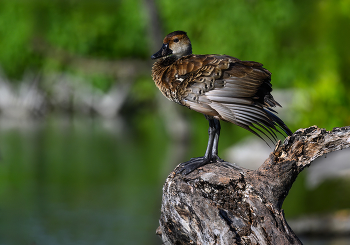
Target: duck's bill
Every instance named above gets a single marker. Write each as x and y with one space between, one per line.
164 51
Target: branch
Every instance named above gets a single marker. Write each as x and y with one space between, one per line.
222 203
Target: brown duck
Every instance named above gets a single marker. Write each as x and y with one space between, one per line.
219 86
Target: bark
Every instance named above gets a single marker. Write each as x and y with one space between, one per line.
222 203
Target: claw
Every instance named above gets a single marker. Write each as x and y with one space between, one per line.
187 167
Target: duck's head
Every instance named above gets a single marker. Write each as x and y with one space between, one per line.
175 44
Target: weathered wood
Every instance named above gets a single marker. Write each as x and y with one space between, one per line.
222 203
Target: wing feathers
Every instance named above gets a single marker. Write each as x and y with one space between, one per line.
231 92
225 88
243 101
224 112
201 107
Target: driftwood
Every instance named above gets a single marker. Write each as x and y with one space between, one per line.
222 203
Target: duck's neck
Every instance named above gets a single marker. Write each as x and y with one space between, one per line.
167 61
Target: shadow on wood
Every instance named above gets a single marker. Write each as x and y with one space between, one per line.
222 203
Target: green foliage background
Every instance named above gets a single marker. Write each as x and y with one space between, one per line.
303 43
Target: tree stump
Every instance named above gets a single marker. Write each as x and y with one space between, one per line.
222 203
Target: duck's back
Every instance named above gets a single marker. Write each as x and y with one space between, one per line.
221 78
220 86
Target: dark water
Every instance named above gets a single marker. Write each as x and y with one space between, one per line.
89 181
77 181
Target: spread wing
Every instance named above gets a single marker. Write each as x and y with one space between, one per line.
231 90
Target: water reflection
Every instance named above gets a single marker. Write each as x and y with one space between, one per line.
75 181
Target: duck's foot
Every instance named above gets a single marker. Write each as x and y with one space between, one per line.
187 167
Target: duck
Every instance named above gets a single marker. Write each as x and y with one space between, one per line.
222 88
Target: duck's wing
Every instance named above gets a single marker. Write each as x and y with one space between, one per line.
231 90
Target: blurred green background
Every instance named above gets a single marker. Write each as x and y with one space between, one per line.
87 140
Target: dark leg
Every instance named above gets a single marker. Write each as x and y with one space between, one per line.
211 154
215 152
211 132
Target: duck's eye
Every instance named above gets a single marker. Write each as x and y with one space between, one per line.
176 40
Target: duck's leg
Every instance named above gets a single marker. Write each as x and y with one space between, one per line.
215 151
210 153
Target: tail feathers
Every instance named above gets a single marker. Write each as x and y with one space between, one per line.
279 122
